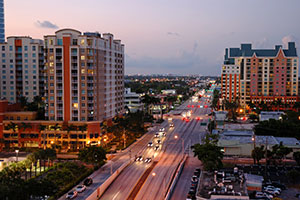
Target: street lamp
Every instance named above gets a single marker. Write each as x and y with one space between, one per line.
17 153
254 141
182 142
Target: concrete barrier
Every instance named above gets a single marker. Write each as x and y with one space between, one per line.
176 177
102 188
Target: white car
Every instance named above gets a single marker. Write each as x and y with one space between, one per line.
80 188
275 188
150 144
263 194
71 195
139 158
272 191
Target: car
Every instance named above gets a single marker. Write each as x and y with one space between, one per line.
194 183
80 188
150 144
88 182
171 125
139 158
197 172
190 197
259 195
156 148
275 188
271 191
147 160
279 185
194 179
156 135
72 195
158 141
162 129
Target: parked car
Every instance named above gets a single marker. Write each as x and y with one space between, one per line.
278 185
194 179
197 172
275 188
80 188
72 195
88 182
272 191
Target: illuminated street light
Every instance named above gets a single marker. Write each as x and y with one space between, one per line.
153 174
17 153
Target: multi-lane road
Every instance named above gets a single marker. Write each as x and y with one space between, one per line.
177 141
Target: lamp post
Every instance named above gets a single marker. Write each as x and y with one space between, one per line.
254 141
17 153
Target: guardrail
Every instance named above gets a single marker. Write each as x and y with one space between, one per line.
176 177
102 188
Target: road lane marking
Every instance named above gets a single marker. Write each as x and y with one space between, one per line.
115 195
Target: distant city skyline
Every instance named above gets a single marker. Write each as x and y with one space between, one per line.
159 37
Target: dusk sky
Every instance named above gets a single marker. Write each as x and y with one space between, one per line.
164 36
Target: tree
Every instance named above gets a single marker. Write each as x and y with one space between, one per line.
257 154
42 128
210 156
209 153
11 126
232 108
95 155
296 156
294 176
216 96
278 153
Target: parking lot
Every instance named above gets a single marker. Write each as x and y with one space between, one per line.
274 173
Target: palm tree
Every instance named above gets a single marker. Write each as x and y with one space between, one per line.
55 127
42 128
296 106
82 128
170 100
278 103
232 107
25 126
23 101
11 126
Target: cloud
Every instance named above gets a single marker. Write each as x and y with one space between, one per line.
290 38
184 62
173 34
46 24
262 44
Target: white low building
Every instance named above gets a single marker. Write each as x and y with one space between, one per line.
133 100
265 116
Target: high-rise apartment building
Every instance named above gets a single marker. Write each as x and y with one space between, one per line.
21 68
260 75
2 25
85 76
